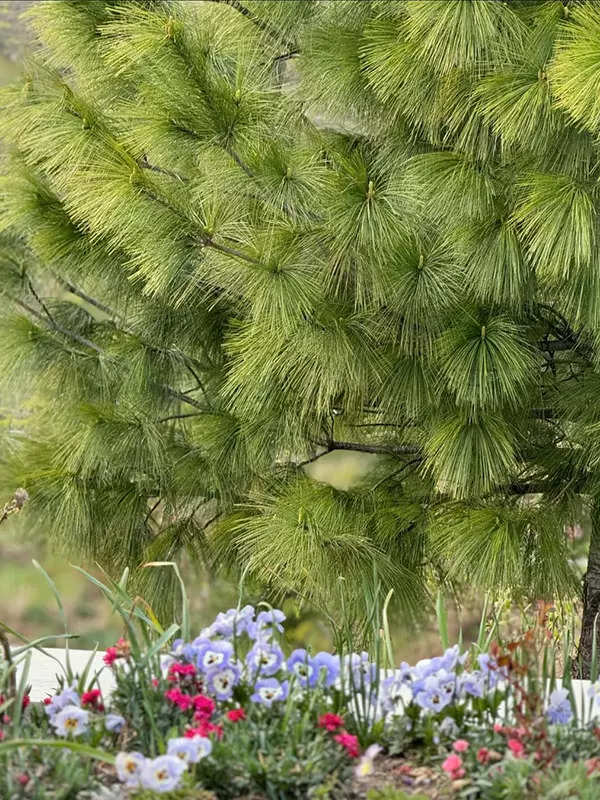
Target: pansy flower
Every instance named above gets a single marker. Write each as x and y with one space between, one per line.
302 666
162 774
559 710
268 691
114 723
68 697
265 658
70 721
327 667
212 655
221 682
266 623
233 622
129 768
189 750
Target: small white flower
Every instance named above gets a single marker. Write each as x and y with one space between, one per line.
71 721
162 774
365 765
189 750
129 768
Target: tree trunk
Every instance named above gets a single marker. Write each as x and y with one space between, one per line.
591 600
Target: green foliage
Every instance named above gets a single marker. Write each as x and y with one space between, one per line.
236 236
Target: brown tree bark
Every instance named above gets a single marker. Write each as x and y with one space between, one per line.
591 600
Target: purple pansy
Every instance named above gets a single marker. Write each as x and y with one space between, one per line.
213 655
265 658
269 690
302 666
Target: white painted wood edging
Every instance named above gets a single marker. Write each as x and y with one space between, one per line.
44 669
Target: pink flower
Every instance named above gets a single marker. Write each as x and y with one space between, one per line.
452 763
331 722
181 700
181 670
483 755
24 703
90 698
203 705
236 715
204 730
23 779
498 728
516 747
460 745
110 656
154 682
349 743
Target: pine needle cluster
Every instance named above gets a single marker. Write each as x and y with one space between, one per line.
237 235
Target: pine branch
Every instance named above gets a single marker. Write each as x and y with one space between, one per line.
54 326
177 416
393 450
72 289
145 164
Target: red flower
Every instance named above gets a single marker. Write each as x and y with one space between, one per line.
25 702
154 682
349 743
204 705
331 722
1 735
91 698
23 779
236 715
460 745
180 670
483 755
47 701
122 649
181 700
204 729
516 747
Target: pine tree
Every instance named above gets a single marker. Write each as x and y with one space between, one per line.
238 235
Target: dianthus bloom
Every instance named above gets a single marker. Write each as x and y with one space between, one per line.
181 700
460 745
236 715
122 649
204 729
453 765
349 743
516 747
483 755
92 699
25 702
178 670
204 706
331 722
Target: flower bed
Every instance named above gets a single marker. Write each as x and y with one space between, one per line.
230 714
